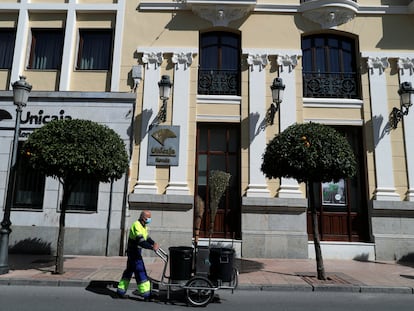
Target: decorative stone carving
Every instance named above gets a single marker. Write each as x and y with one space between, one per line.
152 58
221 13
406 64
329 14
260 60
380 63
289 61
185 59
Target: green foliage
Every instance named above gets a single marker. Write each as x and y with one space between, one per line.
309 152
74 149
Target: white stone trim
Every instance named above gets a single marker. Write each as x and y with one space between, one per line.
385 187
335 121
332 103
289 187
146 183
407 75
219 99
258 106
218 118
180 116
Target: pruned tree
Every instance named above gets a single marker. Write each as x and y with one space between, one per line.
71 150
310 152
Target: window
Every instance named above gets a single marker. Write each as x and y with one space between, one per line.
29 185
46 50
7 39
329 67
85 196
219 72
95 49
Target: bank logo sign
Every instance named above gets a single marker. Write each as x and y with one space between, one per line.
163 145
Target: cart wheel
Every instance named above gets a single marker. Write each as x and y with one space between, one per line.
235 278
199 291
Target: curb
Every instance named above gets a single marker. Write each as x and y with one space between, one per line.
364 289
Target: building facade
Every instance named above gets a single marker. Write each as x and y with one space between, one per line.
342 63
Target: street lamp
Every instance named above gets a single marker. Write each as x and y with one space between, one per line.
277 96
406 93
164 90
21 90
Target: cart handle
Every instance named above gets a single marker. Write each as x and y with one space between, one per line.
162 254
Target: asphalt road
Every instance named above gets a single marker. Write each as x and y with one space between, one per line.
37 298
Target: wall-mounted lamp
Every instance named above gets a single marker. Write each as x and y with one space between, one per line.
406 93
277 96
164 89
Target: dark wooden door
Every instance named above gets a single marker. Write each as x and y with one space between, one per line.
218 148
342 206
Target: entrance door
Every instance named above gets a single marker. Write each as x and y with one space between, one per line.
342 206
218 148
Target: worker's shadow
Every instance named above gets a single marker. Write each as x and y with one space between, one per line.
103 288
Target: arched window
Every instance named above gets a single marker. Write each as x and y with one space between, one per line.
329 67
219 72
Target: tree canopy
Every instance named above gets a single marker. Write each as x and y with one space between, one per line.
74 149
309 152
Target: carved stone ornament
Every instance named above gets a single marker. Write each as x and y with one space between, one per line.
289 61
329 13
221 13
257 60
152 58
406 64
380 63
185 59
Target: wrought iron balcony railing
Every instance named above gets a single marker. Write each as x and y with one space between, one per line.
218 82
331 85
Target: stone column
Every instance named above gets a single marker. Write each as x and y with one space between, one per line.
20 49
406 67
257 186
289 188
385 189
180 114
146 183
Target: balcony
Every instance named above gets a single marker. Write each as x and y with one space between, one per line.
218 82
329 13
331 85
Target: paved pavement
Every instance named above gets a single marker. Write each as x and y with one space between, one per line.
257 274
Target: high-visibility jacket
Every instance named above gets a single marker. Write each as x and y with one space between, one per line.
138 238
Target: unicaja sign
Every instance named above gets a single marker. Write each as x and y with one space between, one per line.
42 118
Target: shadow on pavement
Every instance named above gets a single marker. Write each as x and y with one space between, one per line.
29 261
407 260
246 266
103 288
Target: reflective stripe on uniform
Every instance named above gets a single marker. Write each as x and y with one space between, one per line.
144 288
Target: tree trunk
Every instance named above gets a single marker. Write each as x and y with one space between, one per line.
320 269
61 235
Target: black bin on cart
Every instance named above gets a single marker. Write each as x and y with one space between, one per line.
222 262
181 262
202 262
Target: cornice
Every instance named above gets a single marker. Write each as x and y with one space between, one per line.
276 8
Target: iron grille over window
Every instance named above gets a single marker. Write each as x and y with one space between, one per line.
219 72
329 67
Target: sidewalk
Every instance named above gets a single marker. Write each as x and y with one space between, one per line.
257 274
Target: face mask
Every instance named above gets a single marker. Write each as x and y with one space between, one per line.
147 221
